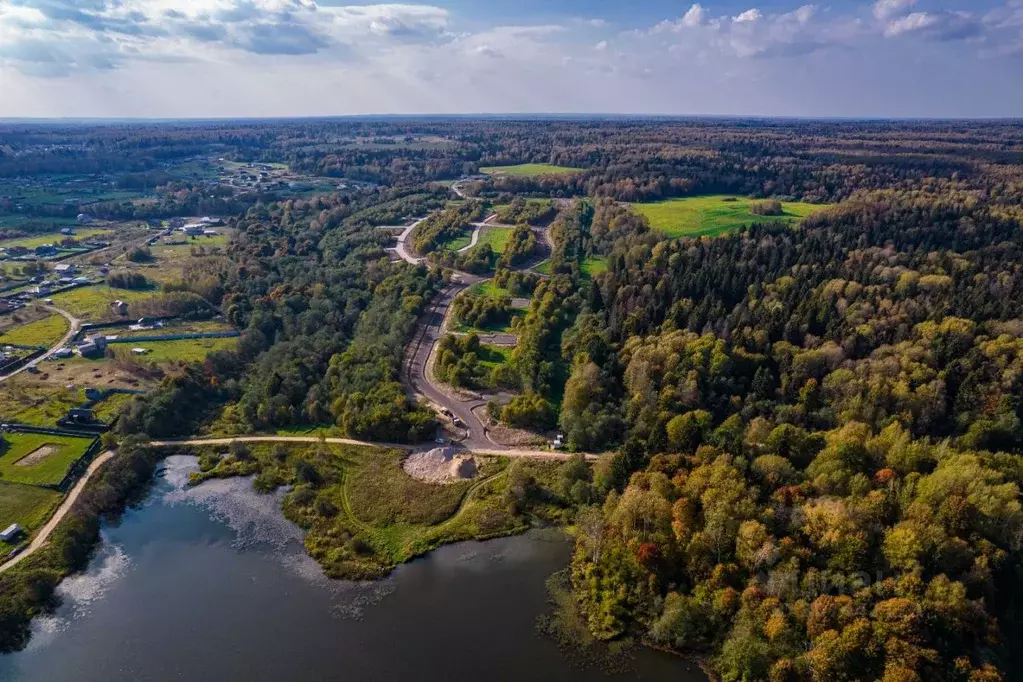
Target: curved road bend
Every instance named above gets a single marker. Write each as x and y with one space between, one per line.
69 501
76 326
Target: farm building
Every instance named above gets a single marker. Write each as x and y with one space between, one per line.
10 533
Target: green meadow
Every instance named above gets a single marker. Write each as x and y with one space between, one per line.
714 215
529 170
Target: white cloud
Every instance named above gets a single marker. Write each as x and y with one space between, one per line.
886 9
749 16
320 59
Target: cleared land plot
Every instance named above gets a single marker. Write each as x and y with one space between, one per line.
54 238
39 459
196 327
186 350
593 265
25 400
714 215
530 170
44 332
26 505
497 237
92 303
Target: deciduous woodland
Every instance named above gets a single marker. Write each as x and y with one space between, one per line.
809 428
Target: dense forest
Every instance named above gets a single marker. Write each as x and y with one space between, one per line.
811 434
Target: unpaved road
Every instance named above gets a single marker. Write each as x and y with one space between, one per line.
69 502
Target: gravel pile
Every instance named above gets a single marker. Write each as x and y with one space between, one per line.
440 465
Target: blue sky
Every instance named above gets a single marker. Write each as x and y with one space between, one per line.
201 58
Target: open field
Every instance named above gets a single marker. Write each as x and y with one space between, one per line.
460 242
714 215
528 170
26 400
43 333
54 238
92 303
182 327
186 350
489 288
44 459
27 505
497 237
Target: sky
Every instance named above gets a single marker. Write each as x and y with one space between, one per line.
284 58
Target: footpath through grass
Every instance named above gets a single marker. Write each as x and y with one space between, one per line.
43 333
39 459
527 170
710 216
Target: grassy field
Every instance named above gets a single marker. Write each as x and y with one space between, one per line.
25 401
48 471
529 170
593 265
92 303
109 408
714 215
186 350
44 332
183 327
26 505
460 242
497 237
53 238
492 356
489 288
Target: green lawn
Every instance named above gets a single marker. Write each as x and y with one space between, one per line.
192 327
26 505
92 303
714 215
529 170
110 407
459 242
489 288
492 356
53 238
44 332
51 469
497 237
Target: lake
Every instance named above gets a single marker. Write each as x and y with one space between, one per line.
212 583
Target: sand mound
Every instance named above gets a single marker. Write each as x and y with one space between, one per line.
440 465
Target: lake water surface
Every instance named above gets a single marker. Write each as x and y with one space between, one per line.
212 583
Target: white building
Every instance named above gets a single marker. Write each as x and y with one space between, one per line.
12 531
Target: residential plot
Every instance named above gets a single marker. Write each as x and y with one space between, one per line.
28 506
80 235
93 303
715 215
27 400
185 350
43 333
530 170
39 459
